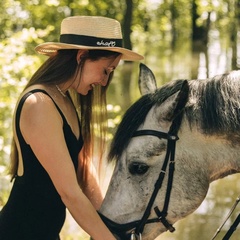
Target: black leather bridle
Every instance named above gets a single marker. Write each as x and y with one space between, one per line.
136 227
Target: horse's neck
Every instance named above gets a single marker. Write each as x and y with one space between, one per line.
214 153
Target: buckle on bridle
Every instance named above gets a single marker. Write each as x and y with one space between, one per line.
135 236
163 220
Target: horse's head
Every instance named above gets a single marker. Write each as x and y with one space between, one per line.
140 158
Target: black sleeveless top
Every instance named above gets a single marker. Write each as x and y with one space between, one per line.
34 210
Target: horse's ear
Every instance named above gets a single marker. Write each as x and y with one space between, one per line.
182 98
147 82
175 104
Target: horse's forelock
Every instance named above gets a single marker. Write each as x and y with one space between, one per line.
136 115
132 119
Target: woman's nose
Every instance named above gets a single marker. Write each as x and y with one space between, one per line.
104 81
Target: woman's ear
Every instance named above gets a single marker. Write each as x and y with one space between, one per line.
81 53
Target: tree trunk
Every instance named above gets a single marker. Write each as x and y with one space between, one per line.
127 23
128 66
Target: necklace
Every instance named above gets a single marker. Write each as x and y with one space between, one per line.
61 92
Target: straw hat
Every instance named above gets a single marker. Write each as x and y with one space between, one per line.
89 32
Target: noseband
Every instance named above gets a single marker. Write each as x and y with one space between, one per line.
137 227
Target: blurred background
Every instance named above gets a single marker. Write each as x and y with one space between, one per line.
180 39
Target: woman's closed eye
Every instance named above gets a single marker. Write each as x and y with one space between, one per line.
105 72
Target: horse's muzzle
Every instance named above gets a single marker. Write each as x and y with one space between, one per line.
120 231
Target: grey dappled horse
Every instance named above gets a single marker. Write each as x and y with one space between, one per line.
202 119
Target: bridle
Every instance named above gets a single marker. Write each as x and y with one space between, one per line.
137 227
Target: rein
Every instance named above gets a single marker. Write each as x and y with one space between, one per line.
137 227
234 225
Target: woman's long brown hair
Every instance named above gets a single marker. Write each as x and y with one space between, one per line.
91 108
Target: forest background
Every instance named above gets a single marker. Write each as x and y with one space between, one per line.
179 39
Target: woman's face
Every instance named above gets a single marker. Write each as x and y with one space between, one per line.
94 73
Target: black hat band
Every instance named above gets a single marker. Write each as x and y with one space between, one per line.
90 41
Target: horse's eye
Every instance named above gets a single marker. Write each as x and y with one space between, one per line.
138 168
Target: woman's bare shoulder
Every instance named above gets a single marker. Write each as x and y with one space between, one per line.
38 114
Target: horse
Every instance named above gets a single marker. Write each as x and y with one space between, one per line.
170 145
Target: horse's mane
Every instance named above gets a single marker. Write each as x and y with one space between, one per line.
136 115
214 104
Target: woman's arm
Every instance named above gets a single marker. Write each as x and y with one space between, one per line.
41 126
90 186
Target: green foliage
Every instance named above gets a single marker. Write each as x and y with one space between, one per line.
16 68
26 23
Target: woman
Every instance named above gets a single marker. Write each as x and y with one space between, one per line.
49 159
